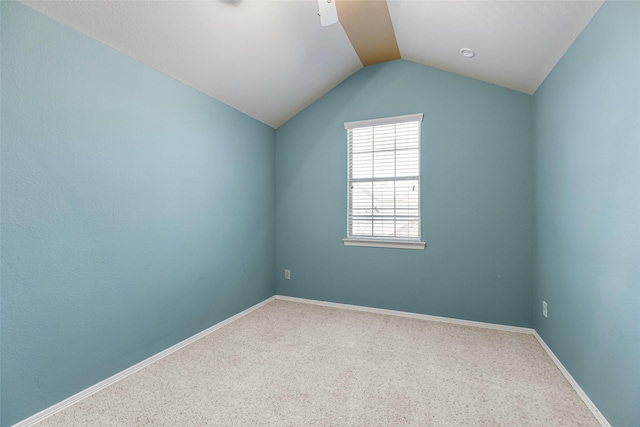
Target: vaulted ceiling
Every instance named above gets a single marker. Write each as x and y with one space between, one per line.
272 58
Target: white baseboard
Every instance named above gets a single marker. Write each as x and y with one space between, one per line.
72 400
592 407
484 325
141 365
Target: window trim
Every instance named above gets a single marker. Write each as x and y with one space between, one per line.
418 117
384 243
387 242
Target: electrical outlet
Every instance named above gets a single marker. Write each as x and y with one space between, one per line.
287 274
544 308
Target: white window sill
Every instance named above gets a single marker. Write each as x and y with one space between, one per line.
379 243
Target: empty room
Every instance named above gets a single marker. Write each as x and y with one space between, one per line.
320 212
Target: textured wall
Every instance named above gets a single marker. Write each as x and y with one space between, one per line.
136 212
587 211
476 199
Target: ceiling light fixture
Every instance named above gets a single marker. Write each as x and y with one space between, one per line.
327 12
467 53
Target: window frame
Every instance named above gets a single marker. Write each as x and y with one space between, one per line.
375 241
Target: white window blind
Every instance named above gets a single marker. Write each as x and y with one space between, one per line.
384 180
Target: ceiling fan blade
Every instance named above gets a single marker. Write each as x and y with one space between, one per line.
328 13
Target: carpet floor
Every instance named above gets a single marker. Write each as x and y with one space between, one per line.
295 364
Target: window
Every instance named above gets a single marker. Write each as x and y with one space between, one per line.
384 182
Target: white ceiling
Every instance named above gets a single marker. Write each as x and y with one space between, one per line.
272 58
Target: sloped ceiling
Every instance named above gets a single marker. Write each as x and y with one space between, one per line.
272 58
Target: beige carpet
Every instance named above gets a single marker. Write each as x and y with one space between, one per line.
293 364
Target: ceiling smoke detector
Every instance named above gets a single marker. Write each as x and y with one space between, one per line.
467 53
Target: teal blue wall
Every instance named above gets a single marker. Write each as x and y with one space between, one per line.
587 211
476 199
136 212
